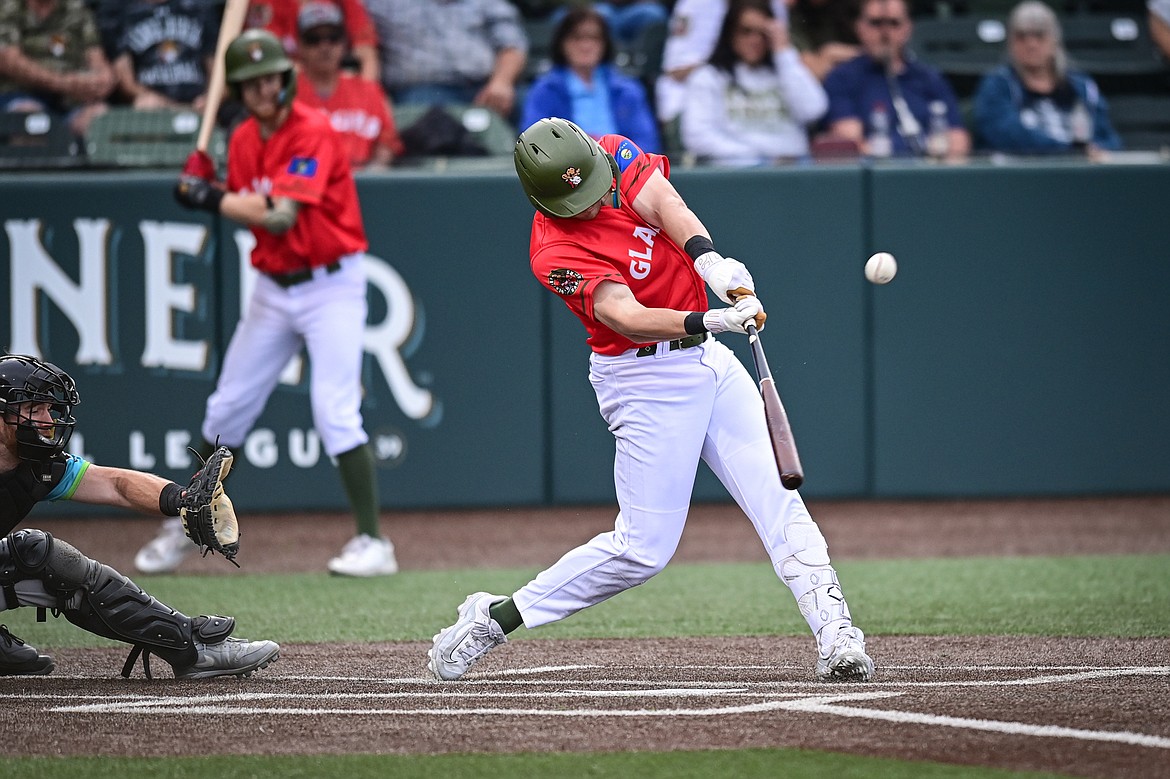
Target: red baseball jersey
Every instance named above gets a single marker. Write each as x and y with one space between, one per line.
303 160
571 257
359 113
279 17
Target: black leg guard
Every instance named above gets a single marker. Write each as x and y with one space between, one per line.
97 598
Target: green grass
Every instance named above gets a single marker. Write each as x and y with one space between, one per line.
1055 596
1041 596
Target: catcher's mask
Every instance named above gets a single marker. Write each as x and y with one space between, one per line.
37 398
563 170
259 53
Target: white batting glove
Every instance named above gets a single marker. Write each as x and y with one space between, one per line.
736 319
724 274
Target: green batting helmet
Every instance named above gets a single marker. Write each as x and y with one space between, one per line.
563 170
258 53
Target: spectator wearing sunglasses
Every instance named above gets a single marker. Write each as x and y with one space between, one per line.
1036 104
886 81
280 17
357 108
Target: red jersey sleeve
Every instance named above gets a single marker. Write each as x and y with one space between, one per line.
636 166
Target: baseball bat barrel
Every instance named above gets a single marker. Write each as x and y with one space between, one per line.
779 429
232 24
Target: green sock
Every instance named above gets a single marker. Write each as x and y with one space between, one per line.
357 476
507 615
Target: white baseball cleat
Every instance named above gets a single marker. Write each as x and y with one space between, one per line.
364 555
845 659
165 551
461 646
230 657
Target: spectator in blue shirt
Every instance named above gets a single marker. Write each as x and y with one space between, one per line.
584 87
1035 104
886 83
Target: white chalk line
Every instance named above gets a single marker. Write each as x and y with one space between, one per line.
826 705
817 703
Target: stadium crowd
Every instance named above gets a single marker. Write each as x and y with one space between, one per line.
726 82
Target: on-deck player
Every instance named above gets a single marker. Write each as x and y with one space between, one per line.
289 180
613 238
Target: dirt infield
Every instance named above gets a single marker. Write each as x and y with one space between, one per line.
1085 707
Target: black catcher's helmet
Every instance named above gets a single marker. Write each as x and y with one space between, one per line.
25 383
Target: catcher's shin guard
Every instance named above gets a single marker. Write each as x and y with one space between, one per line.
97 598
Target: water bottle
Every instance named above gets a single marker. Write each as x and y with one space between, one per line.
1080 125
880 143
938 140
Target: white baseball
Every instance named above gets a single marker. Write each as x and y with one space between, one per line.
881 268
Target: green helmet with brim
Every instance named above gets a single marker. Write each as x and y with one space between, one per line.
258 53
563 170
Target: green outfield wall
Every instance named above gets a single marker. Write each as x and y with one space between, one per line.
1023 349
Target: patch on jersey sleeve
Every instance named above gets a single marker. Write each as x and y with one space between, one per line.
626 153
564 281
303 166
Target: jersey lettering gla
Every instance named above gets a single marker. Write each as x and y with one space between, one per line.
306 161
572 257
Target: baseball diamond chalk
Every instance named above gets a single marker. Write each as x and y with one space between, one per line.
881 268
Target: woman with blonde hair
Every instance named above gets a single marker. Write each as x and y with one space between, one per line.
1037 103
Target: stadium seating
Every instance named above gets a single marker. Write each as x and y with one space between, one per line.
485 128
125 137
35 141
1142 121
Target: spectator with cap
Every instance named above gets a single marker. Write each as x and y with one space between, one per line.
51 60
584 87
451 52
1036 103
279 17
163 50
357 108
886 88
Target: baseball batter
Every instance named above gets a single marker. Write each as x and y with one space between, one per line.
289 180
613 238
37 569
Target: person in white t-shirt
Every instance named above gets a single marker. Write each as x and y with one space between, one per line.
753 102
694 28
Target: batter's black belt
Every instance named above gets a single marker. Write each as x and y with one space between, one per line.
680 343
287 280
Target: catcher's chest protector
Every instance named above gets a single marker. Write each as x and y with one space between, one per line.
24 488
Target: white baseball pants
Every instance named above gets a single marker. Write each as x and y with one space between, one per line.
665 412
326 315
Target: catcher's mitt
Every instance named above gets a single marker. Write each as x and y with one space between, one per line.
209 519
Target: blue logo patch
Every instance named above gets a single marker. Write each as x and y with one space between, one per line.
626 153
303 166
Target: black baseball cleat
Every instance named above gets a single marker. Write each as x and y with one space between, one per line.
19 659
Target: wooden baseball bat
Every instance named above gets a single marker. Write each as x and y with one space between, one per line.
232 24
783 444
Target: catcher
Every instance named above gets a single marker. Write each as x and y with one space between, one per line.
36 569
